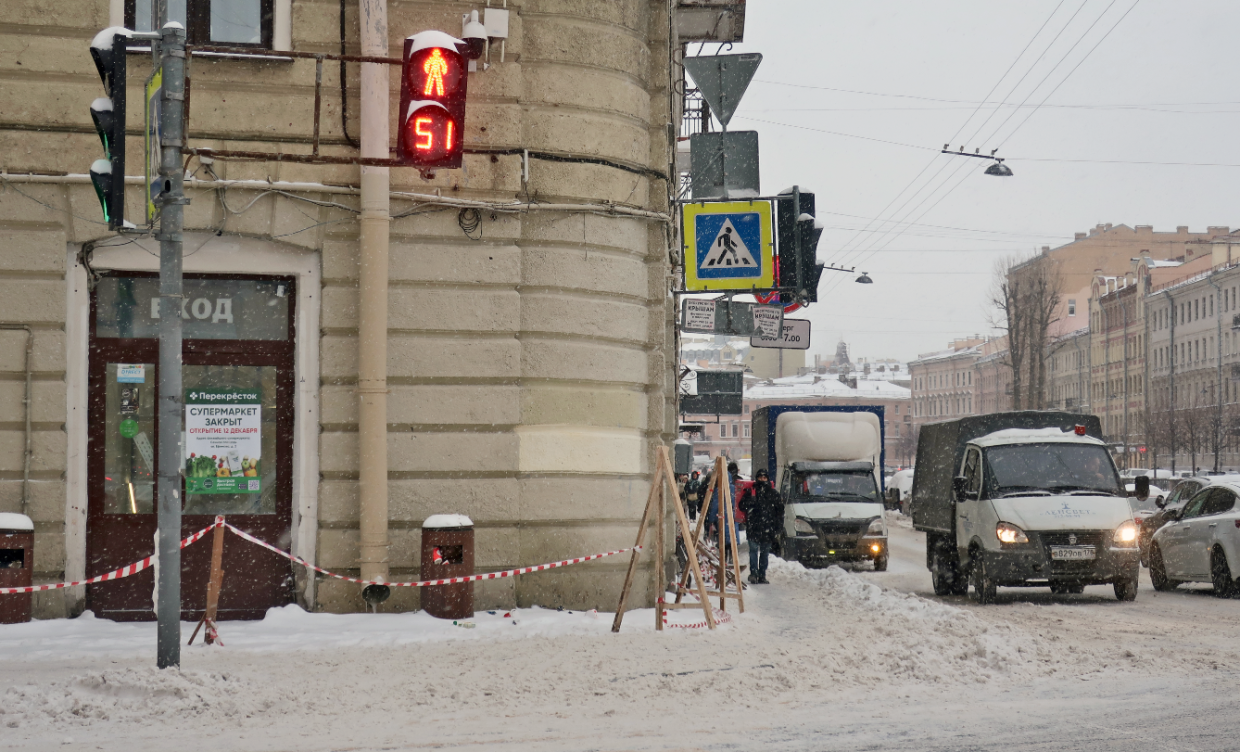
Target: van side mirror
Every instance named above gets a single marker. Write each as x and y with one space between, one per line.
959 484
1160 502
1141 485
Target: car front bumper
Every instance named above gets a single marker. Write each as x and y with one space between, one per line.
1032 563
851 548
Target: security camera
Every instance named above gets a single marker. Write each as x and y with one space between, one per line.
475 36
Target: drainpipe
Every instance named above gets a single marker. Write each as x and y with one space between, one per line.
1127 397
28 407
1171 362
1082 399
373 298
1218 381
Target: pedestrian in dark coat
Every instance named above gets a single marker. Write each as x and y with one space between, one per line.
693 495
764 512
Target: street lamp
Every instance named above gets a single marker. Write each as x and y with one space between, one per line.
997 169
864 279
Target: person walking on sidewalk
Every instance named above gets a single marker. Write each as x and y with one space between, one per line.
764 510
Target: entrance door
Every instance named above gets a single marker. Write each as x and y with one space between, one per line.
238 418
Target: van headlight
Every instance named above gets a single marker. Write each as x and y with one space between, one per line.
1009 533
803 526
1125 535
876 527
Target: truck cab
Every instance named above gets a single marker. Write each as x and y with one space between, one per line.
1042 507
833 512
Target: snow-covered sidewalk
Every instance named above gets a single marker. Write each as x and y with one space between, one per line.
292 629
821 659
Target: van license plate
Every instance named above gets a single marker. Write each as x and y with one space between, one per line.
1072 554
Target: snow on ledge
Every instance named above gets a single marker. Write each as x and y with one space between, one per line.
447 520
12 521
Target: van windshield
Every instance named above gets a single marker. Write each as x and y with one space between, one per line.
1054 468
857 486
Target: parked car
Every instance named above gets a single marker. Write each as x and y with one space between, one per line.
1172 503
1201 541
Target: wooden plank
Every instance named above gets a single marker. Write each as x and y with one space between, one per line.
691 548
641 535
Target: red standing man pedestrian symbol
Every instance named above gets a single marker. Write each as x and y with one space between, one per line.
435 67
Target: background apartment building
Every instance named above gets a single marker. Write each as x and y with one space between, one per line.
1194 356
530 353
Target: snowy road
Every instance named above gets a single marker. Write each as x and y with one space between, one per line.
821 660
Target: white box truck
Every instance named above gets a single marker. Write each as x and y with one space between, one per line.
827 463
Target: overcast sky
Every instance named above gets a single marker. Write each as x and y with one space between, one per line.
1160 88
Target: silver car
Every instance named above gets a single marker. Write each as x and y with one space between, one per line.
1201 541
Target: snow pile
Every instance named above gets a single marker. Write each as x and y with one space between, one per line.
143 695
907 637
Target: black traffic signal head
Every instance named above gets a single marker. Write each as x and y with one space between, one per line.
798 235
108 114
810 231
433 85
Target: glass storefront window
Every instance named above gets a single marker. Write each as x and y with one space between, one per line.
129 443
250 309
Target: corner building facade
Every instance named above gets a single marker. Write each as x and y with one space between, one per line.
530 355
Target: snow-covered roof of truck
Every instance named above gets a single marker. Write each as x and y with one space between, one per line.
1034 436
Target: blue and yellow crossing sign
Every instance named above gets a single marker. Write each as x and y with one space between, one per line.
728 245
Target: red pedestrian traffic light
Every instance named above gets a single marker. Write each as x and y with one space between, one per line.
432 101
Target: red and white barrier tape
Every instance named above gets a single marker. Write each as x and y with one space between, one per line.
115 574
138 566
721 617
425 583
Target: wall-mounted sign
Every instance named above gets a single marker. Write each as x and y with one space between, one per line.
795 337
223 441
728 246
213 308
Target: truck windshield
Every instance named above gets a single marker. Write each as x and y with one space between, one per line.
838 486
1054 468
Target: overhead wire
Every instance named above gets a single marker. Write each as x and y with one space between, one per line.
971 101
1055 67
854 252
1034 64
1078 65
867 253
845 249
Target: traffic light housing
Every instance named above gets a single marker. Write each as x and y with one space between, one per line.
794 256
108 114
810 231
433 85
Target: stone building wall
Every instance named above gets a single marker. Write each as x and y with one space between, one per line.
530 365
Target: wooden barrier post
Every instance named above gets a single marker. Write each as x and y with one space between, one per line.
656 505
214 584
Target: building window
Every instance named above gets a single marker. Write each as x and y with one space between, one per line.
746 409
1071 307
736 429
222 22
745 430
723 431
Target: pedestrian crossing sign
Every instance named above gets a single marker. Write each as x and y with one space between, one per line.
728 245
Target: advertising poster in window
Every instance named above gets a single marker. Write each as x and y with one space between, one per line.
223 441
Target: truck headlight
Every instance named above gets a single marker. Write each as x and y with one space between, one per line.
1125 535
876 527
803 526
1009 533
